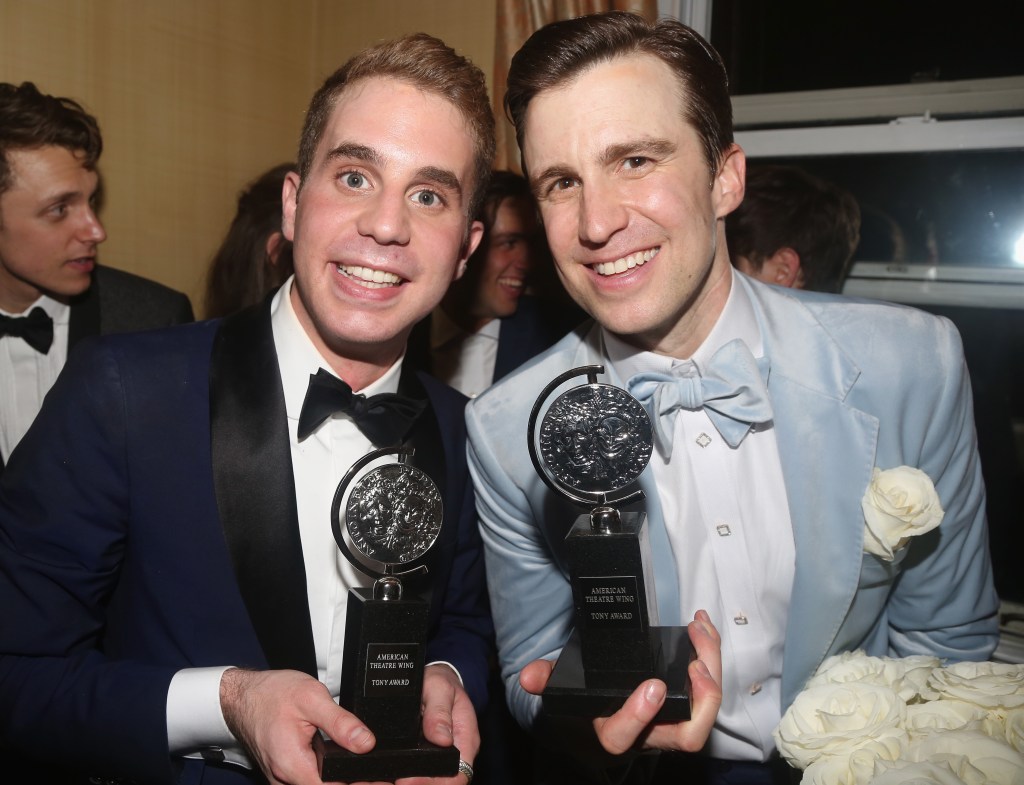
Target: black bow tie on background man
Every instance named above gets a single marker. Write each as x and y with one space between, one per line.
36 329
384 419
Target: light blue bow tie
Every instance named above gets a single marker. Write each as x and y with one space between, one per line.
732 391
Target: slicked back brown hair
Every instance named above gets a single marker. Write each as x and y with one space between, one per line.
429 64
30 119
560 51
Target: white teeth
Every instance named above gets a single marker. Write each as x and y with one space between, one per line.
370 278
626 262
515 283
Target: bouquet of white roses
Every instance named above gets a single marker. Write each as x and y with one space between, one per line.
877 720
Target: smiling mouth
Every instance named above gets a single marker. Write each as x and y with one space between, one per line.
626 262
514 283
365 276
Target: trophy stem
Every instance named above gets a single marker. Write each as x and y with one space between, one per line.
605 520
388 589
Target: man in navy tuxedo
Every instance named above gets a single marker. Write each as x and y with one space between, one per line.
174 602
52 293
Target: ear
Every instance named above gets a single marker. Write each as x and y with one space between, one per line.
289 204
473 238
782 268
729 183
273 247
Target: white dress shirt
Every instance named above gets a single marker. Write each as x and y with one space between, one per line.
194 718
27 375
728 523
462 359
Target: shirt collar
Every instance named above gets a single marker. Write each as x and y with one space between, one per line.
58 311
444 331
737 320
298 358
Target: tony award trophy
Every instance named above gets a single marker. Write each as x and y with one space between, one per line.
591 446
384 524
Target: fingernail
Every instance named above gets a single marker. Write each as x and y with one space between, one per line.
446 729
654 692
702 668
360 736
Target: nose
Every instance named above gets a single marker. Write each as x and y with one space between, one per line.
91 230
385 218
601 214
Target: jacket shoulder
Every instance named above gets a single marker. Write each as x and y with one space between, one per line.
129 302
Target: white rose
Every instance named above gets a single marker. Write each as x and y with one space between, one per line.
926 773
943 715
917 670
968 752
907 675
994 723
899 504
991 685
836 719
856 768
1014 725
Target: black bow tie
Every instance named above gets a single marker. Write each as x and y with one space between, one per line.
36 329
384 419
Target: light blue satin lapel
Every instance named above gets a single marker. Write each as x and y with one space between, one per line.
591 351
827 449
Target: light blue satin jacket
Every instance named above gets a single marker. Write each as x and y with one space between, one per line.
853 385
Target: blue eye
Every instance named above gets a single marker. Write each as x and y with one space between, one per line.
427 198
354 180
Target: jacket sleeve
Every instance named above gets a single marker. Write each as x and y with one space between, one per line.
945 603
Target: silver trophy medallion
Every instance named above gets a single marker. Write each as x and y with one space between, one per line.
392 514
593 441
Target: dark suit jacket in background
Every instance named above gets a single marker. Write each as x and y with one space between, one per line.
119 302
148 524
536 325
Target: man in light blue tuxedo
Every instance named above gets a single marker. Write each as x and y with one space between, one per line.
772 408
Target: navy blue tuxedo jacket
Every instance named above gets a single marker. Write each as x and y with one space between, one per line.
148 524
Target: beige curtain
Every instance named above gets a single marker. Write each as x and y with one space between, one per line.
516 21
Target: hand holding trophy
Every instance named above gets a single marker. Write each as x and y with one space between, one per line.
592 444
384 524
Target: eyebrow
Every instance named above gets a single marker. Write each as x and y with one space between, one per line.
443 178
611 154
617 152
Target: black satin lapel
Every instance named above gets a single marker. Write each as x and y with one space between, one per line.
417 348
252 471
85 314
425 439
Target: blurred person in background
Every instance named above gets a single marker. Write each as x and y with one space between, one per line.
52 292
254 258
794 229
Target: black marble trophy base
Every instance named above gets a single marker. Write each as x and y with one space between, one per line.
382 682
386 762
576 692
